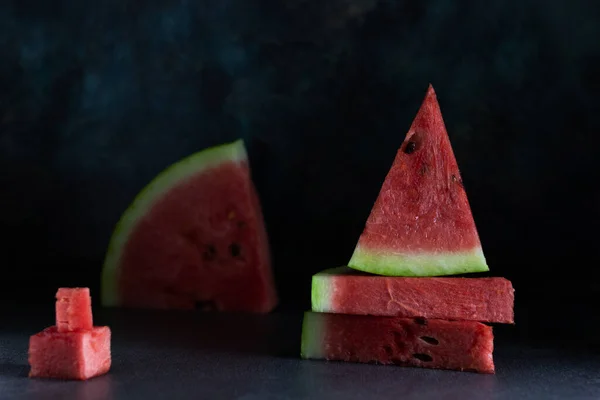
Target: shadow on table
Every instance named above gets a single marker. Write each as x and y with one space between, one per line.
98 388
92 389
273 334
393 382
12 370
276 334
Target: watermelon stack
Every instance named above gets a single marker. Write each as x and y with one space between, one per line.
397 301
73 348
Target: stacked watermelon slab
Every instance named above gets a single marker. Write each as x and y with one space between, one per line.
73 348
397 301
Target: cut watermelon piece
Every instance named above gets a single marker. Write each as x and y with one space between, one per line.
73 348
347 291
439 344
73 309
421 223
193 238
78 355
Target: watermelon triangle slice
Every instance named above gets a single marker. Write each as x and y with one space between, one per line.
194 237
421 223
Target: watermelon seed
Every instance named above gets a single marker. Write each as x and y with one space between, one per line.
206 305
410 147
241 224
400 341
423 357
420 321
430 340
235 249
388 350
210 253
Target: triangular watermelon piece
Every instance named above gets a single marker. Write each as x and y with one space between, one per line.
194 237
421 223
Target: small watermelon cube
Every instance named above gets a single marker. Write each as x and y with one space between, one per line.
73 309
78 355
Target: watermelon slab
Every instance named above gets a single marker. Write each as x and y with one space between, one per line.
73 309
73 348
347 291
439 344
78 355
421 223
193 238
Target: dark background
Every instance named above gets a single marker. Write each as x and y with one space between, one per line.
97 97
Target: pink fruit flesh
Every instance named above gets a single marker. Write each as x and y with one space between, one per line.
78 355
203 243
422 205
73 309
439 344
475 299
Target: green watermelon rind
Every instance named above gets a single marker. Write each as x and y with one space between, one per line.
389 263
170 177
312 336
323 287
321 293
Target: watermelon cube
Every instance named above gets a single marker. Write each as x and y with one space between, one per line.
347 291
73 348
434 343
73 309
79 355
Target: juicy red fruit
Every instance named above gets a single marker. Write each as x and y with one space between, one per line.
434 343
78 355
73 348
203 243
422 204
73 309
475 299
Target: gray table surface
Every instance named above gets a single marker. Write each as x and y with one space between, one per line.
177 355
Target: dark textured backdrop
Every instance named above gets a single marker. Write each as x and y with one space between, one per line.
98 97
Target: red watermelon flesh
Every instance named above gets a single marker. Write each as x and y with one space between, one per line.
198 242
346 291
73 348
77 355
434 343
421 223
73 309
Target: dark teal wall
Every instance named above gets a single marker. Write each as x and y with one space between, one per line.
98 97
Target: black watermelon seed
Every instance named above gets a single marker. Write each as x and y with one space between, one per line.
210 253
206 305
423 357
235 249
388 350
430 340
410 147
